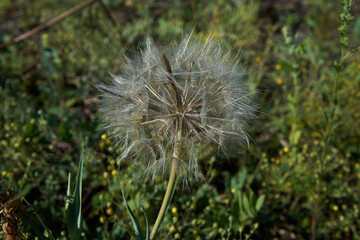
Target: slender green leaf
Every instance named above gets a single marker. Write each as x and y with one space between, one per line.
35 229
68 192
112 230
247 206
73 205
326 117
259 202
349 54
135 222
146 225
42 224
251 197
78 187
294 137
357 29
333 127
238 180
242 213
42 236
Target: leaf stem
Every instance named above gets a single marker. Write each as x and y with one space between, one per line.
170 187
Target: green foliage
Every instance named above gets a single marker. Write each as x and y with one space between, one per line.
27 220
139 235
73 213
357 29
302 165
245 205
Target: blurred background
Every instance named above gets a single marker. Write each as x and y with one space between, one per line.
303 157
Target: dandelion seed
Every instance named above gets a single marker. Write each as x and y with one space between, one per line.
190 95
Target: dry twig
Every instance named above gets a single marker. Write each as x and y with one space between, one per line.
56 20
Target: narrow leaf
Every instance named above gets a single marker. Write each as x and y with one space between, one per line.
112 230
42 224
68 192
259 202
247 206
357 29
78 187
135 222
73 205
242 213
146 225
238 180
35 229
335 126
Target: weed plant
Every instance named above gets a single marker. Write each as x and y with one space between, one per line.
304 152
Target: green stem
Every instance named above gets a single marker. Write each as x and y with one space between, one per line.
334 92
170 187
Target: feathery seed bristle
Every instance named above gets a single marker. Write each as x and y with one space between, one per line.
192 86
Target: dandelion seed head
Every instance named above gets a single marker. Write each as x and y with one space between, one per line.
193 87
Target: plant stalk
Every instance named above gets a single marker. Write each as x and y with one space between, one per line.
170 187
47 24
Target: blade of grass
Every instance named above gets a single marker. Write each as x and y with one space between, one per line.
135 222
41 222
73 205
147 225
